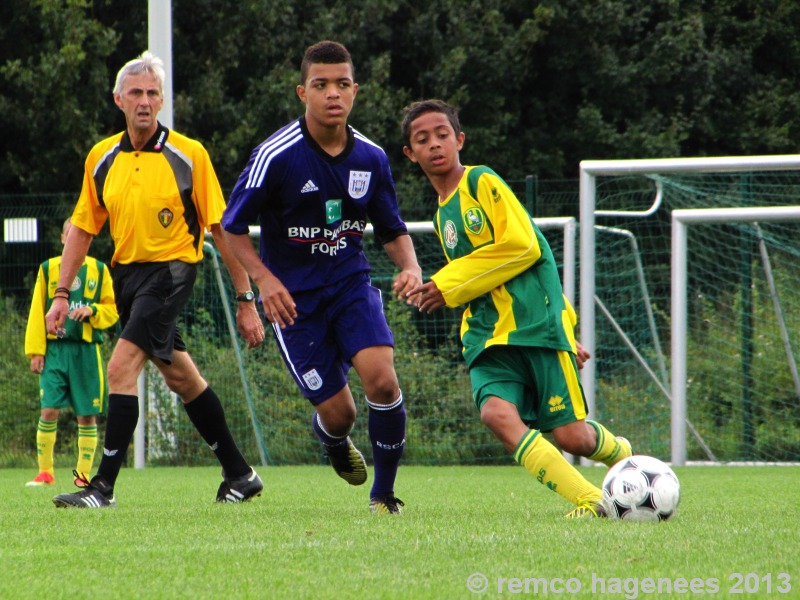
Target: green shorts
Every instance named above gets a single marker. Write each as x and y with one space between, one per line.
73 376
542 383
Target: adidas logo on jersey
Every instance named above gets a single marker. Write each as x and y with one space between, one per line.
309 187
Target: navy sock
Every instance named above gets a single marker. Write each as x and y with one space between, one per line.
208 417
123 414
332 444
387 431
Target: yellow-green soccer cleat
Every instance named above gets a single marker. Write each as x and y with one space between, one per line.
386 505
590 509
626 445
349 465
42 479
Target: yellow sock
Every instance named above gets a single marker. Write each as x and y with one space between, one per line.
45 443
608 450
87 443
550 468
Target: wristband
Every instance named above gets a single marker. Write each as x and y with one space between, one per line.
62 289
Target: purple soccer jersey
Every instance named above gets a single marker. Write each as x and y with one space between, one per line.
313 208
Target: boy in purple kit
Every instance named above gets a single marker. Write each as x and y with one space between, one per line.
312 186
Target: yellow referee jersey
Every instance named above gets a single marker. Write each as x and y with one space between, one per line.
160 199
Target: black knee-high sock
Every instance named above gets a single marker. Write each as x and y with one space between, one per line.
123 414
208 417
387 431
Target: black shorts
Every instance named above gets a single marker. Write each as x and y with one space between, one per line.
150 297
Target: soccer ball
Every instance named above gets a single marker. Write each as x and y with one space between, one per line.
641 488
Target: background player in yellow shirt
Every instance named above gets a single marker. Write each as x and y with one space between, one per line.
517 330
70 367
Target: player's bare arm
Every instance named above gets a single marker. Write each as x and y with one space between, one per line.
248 321
279 307
76 246
401 251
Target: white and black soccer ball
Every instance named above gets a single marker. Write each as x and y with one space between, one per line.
641 488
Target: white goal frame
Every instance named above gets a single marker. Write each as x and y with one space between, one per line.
589 171
681 219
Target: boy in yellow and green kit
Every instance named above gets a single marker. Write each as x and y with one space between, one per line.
517 331
70 366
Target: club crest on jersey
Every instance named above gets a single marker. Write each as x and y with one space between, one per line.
312 379
165 217
359 183
474 220
91 285
333 211
450 235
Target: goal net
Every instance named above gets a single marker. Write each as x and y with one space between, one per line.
688 277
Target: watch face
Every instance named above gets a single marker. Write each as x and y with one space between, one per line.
246 297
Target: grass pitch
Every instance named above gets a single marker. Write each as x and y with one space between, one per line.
467 532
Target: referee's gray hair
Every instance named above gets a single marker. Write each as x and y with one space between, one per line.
147 62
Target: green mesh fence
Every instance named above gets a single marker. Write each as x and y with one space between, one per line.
267 414
744 316
743 402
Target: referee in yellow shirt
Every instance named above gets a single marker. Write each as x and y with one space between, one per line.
159 192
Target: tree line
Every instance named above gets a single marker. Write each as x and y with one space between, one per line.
541 85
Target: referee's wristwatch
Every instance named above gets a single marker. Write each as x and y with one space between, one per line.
247 296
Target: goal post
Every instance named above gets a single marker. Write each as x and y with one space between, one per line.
776 194
681 220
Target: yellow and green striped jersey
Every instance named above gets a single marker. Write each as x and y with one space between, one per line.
160 199
92 287
500 265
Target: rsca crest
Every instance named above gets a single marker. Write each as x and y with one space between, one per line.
312 379
359 183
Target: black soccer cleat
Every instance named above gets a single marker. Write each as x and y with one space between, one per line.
97 494
349 465
386 505
241 489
